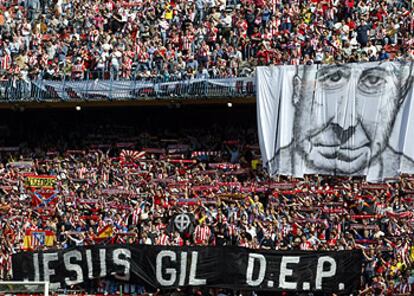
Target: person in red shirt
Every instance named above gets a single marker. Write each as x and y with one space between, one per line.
351 24
263 55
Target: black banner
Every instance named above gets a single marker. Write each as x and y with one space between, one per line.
173 267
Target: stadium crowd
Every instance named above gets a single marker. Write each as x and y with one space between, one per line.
181 39
130 187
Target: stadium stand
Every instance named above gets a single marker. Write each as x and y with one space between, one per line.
181 39
107 180
122 182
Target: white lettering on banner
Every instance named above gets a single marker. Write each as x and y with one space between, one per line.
122 262
250 267
284 272
193 281
47 271
169 271
89 263
36 267
320 273
73 267
183 270
165 267
102 262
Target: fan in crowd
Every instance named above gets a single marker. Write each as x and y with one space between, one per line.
184 39
133 191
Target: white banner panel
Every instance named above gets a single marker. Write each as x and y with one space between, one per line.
351 119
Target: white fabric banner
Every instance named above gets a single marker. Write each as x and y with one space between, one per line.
353 119
130 89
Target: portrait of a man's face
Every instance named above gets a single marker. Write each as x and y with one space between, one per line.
343 118
344 114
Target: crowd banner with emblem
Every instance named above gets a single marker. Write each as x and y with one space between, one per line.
40 181
44 197
353 119
184 223
173 267
34 239
42 189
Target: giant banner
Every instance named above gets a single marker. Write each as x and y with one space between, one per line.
173 267
352 119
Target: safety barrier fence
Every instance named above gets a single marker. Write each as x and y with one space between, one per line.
111 89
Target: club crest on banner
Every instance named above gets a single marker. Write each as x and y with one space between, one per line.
38 238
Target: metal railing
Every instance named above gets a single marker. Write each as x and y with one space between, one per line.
69 89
